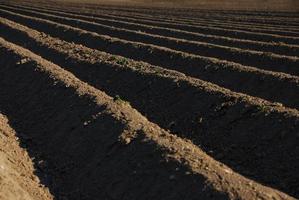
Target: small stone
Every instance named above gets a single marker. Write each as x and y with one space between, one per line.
23 61
127 140
200 120
187 173
227 171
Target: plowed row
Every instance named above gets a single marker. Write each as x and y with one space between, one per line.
121 106
170 33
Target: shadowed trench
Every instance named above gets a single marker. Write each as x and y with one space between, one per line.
75 143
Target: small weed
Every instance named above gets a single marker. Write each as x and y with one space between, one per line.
111 59
118 99
122 61
263 109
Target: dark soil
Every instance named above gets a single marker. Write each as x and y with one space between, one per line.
95 125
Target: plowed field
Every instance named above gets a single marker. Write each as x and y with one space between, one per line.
124 102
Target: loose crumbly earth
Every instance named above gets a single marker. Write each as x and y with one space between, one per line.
126 102
17 173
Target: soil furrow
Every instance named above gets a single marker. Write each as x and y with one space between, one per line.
261 60
238 78
199 14
219 18
210 23
17 174
214 118
197 22
190 12
258 13
215 31
291 50
280 28
193 14
100 150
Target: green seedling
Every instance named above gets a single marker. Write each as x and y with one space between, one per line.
264 109
122 61
118 99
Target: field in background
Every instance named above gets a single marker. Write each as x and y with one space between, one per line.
126 101
264 5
